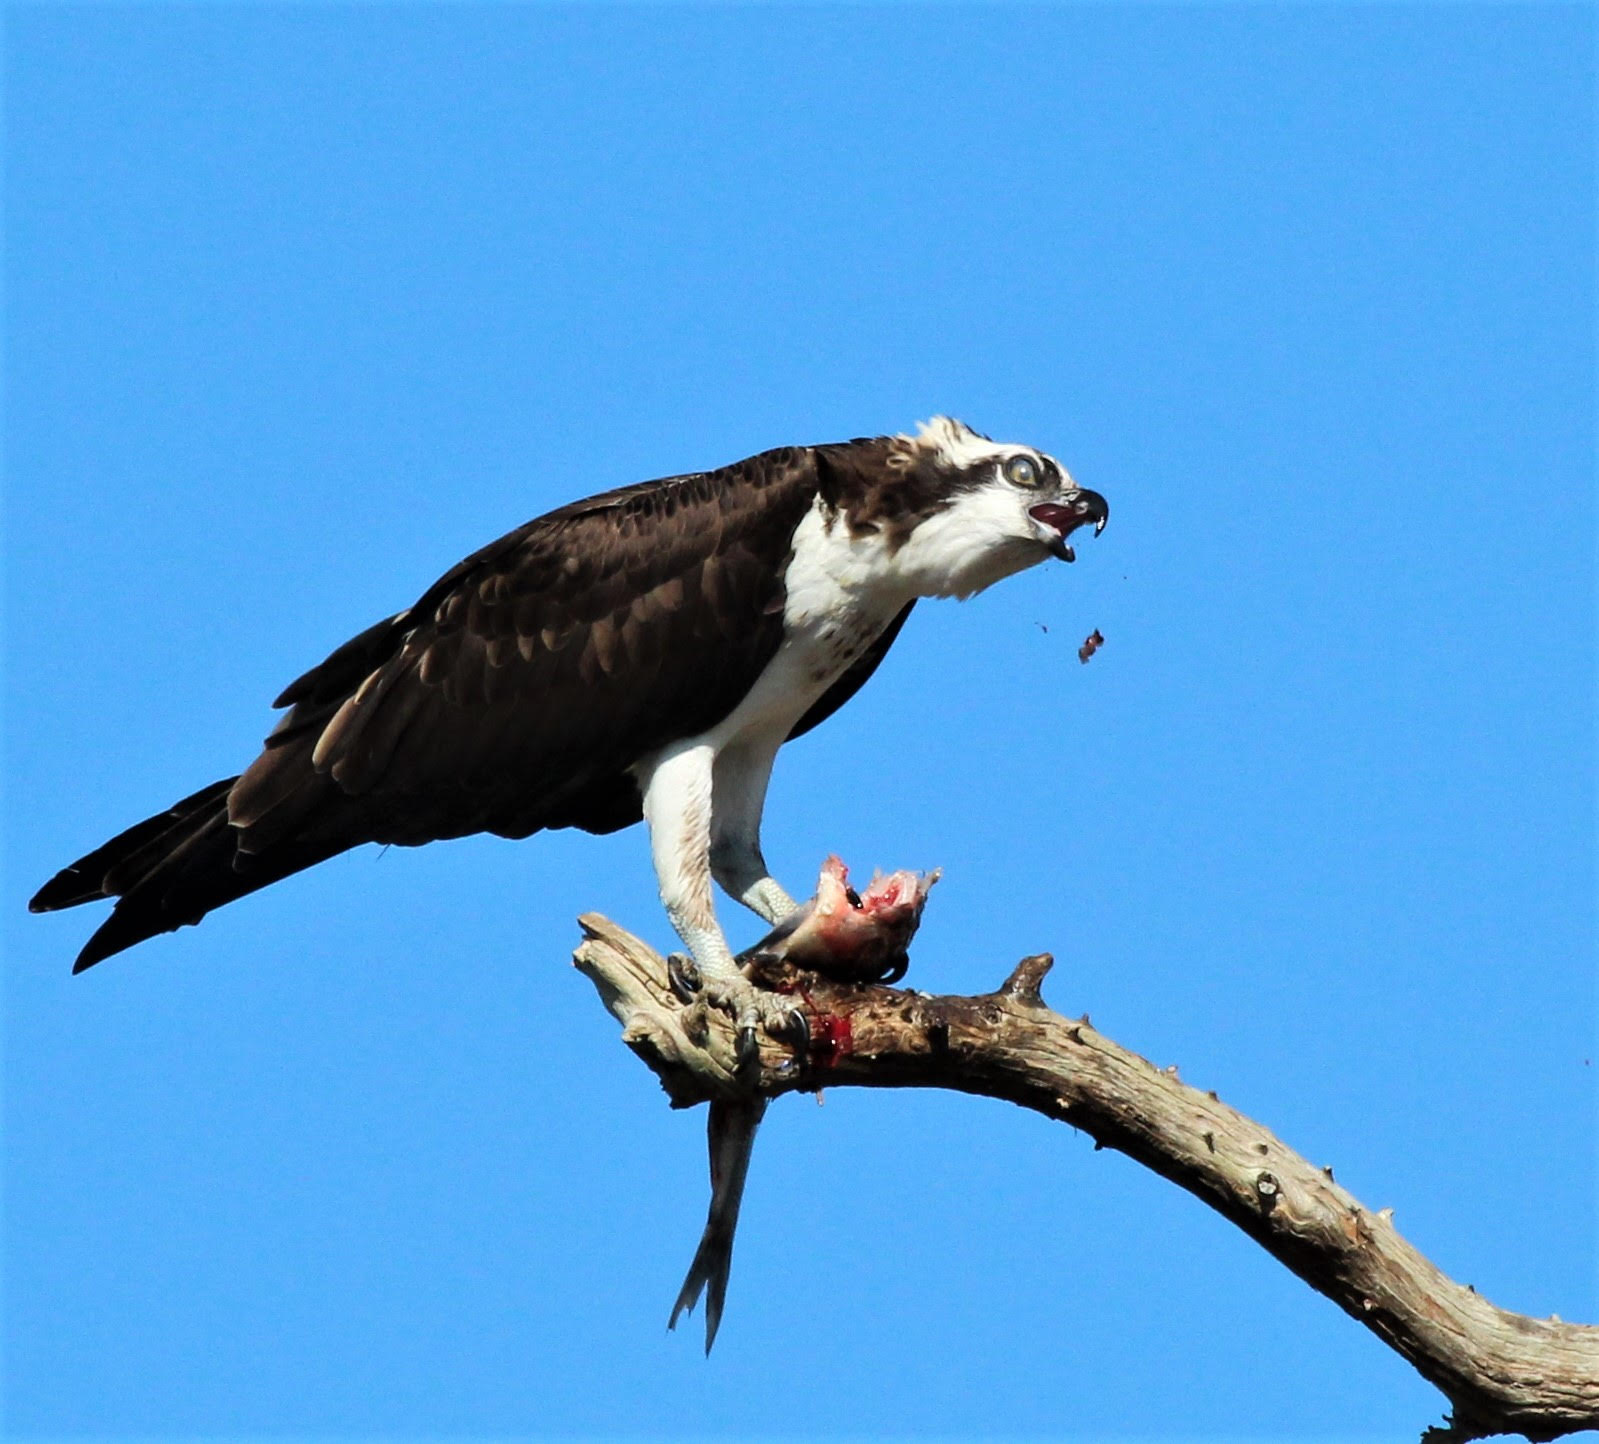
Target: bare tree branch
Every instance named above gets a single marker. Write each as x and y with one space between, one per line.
1502 1372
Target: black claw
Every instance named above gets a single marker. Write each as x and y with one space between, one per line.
683 976
799 1028
748 1048
895 971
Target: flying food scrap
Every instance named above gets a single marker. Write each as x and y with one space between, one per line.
1091 644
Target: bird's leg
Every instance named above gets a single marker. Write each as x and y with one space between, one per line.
759 891
738 794
678 792
677 806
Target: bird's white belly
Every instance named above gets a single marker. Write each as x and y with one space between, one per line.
805 666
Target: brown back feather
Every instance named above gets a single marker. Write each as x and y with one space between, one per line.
538 670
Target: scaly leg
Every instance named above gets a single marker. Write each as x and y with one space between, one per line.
678 788
738 794
678 804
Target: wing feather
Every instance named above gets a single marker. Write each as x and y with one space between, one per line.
516 694
523 685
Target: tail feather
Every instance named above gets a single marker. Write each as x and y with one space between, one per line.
94 876
170 871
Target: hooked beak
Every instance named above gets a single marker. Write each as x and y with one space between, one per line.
1063 517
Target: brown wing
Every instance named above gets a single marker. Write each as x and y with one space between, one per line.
514 695
518 690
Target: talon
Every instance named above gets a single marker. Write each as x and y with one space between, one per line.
684 977
753 1009
895 971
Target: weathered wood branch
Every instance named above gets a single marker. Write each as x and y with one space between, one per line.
1501 1372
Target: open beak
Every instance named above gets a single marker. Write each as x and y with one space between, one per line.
1063 517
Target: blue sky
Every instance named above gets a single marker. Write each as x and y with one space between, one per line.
303 303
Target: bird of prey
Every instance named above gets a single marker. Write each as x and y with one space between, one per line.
639 655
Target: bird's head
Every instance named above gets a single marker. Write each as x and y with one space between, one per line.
976 510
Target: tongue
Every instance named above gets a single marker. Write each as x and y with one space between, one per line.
1062 518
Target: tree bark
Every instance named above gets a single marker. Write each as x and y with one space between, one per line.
1501 1372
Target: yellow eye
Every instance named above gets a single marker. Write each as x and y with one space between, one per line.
1022 471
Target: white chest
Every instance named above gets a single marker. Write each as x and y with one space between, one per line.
841 592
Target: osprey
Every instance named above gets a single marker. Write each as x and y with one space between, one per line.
641 654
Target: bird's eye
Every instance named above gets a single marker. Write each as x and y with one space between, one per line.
1021 471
